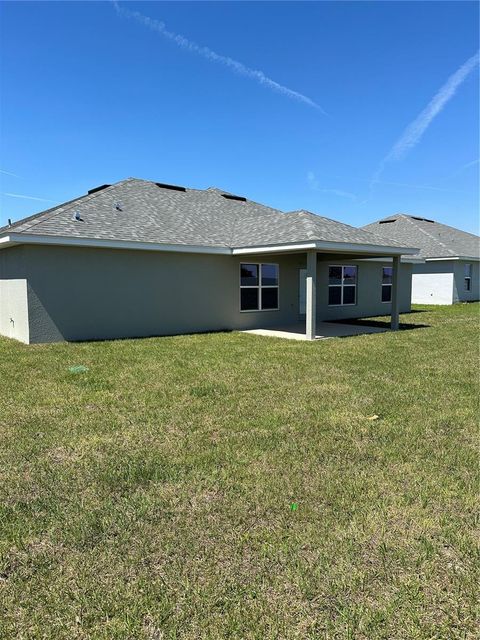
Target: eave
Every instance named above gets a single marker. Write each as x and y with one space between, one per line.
13 239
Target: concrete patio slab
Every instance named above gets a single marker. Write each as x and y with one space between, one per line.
325 331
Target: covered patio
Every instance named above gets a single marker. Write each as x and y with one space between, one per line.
324 331
325 299
311 297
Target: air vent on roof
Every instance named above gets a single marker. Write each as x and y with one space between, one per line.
422 219
386 221
103 186
173 187
229 196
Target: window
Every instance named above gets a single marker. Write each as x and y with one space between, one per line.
387 274
258 287
468 277
342 285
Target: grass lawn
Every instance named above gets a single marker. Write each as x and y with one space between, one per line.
233 486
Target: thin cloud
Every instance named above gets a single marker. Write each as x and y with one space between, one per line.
314 184
9 173
415 130
339 192
212 56
24 197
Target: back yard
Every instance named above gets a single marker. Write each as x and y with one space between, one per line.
233 486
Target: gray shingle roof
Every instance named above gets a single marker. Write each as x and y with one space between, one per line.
150 213
434 239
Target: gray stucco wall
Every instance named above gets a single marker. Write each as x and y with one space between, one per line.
459 292
369 290
90 294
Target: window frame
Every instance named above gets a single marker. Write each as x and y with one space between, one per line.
259 287
386 284
342 285
467 279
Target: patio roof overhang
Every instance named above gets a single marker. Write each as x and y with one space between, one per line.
330 247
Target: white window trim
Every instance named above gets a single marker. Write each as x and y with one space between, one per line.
342 285
259 286
386 284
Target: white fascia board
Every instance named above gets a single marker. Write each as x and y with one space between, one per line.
471 258
332 247
403 259
23 238
244 251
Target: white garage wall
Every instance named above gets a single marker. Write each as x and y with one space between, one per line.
432 288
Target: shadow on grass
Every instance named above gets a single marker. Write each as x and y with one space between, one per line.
381 324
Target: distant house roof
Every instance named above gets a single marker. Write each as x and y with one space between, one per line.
140 211
434 239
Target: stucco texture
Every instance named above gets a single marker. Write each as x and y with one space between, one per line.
93 294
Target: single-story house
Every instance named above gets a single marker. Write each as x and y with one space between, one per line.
449 271
140 258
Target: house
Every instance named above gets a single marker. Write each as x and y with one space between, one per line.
449 271
140 258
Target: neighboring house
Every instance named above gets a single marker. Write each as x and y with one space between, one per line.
140 258
449 271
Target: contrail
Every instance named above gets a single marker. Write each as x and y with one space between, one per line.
208 54
9 173
469 164
417 128
23 197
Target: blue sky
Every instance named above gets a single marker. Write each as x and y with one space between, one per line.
92 94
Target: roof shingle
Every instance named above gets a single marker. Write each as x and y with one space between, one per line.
151 213
434 239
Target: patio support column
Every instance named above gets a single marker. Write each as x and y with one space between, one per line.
395 298
311 297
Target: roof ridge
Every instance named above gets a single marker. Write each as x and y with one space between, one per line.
307 217
450 251
375 236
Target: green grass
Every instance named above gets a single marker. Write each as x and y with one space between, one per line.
151 496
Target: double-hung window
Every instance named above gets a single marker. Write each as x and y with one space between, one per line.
387 274
258 287
342 285
467 277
